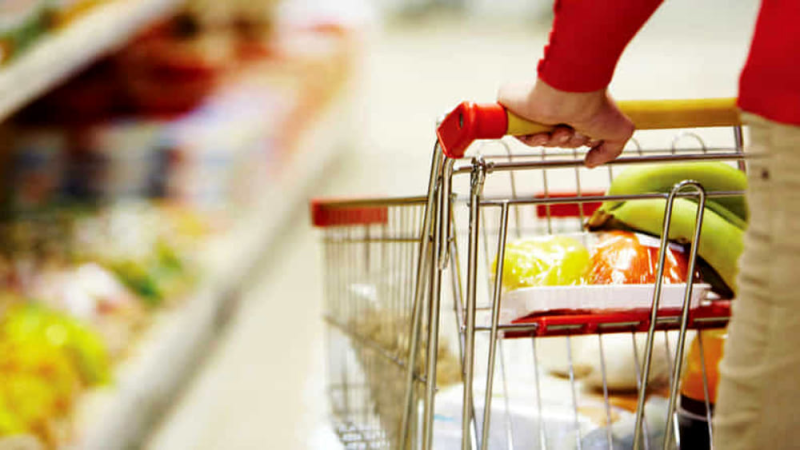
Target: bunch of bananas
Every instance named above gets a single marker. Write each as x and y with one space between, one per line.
724 222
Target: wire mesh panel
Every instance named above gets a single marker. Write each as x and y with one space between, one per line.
371 254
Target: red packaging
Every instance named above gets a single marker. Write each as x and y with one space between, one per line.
624 257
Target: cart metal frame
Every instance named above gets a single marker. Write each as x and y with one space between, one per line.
416 238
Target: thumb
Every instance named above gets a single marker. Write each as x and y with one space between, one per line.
614 128
603 153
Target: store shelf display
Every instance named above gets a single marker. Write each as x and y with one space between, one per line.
133 219
44 41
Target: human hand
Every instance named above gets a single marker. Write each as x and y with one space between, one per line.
581 118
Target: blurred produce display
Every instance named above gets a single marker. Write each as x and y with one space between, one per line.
23 22
113 182
78 287
46 359
63 12
253 15
183 113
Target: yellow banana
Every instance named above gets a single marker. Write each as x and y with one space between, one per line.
713 176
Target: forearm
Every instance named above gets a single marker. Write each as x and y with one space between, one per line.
588 38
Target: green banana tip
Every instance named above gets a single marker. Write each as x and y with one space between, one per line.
598 219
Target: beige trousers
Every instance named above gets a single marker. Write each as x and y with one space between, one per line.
758 406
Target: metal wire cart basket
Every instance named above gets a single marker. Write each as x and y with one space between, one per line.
438 340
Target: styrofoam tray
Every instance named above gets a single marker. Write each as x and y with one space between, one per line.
519 303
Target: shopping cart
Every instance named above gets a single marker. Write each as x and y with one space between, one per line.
394 265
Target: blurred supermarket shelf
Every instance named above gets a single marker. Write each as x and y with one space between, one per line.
64 52
172 349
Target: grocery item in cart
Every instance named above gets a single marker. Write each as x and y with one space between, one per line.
378 322
693 384
623 257
715 176
699 388
544 261
622 432
617 370
724 221
721 242
587 299
557 422
556 274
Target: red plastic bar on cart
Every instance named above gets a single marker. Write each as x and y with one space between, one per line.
329 214
567 209
713 315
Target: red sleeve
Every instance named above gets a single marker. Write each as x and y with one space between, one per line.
770 82
587 39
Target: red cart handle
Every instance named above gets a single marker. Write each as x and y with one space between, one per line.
470 121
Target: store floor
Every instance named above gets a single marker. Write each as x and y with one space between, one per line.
263 385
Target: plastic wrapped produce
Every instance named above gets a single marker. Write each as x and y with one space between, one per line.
623 257
544 261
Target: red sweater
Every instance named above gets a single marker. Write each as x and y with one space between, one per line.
588 37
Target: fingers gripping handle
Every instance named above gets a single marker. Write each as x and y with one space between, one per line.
470 121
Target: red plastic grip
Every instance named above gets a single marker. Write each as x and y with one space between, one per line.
469 122
328 214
